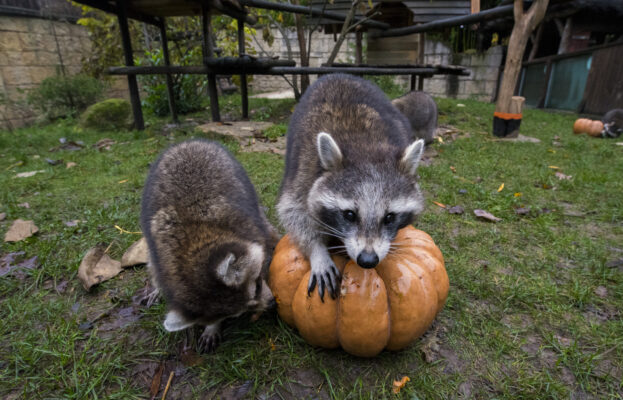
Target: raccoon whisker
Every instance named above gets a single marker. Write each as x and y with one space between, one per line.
326 226
333 234
336 247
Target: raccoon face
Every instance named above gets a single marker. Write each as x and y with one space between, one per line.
363 205
247 275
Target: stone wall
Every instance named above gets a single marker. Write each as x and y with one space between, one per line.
29 53
322 44
484 68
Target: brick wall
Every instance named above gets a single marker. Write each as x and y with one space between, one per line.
29 53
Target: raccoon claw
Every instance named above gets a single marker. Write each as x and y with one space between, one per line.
150 298
329 281
209 340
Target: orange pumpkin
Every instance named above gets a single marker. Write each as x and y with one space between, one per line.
385 307
585 125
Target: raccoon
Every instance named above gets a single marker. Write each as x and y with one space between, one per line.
421 111
210 243
613 123
350 179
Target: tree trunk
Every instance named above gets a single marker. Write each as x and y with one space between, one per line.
345 28
525 22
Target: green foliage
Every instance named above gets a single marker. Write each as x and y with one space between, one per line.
188 89
276 131
110 114
387 84
65 96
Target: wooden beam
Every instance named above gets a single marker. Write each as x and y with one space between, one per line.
167 62
208 52
358 47
314 12
109 8
243 77
135 98
491 13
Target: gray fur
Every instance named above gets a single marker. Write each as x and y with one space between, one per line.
421 111
613 123
348 148
209 241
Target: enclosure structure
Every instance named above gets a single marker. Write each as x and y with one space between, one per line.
154 12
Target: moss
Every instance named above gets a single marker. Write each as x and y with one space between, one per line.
110 114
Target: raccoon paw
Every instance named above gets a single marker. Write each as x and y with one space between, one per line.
209 339
329 278
150 298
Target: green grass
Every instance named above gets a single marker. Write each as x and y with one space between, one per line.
523 318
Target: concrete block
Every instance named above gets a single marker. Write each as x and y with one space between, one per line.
16 76
10 41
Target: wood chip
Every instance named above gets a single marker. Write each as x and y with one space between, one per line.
486 215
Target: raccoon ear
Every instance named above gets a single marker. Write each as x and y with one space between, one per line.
175 321
224 271
411 156
328 151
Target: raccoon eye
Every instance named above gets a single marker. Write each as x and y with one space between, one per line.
349 215
389 218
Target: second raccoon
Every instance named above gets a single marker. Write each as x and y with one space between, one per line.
209 241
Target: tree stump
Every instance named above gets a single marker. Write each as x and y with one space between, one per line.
507 124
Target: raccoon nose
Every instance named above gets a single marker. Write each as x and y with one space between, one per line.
367 259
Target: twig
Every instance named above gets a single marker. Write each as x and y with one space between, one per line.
121 230
356 24
166 389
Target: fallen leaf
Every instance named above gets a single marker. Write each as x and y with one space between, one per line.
97 267
20 230
272 344
136 254
562 176
551 151
553 167
453 169
573 213
189 357
28 174
70 164
501 187
456 210
2 216
439 139
7 265
522 211
601 292
123 181
556 137
546 210
53 162
68 145
73 222
439 204
518 194
24 205
155 382
104 144
398 385
462 191
120 229
460 105
61 287
120 319
615 263
486 215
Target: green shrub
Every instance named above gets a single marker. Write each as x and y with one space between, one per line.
188 89
65 96
111 114
276 131
387 85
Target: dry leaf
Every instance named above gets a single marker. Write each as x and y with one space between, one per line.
272 344
456 210
135 254
155 382
522 210
439 204
97 267
67 145
562 176
70 164
104 144
398 385
123 181
53 162
553 167
71 223
28 174
453 169
601 292
20 230
501 187
518 194
486 215
24 205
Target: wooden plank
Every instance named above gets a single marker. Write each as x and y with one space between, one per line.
604 85
243 77
208 52
167 62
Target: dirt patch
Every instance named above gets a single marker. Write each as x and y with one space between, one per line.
304 383
250 135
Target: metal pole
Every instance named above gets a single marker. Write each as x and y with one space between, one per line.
243 77
167 62
208 52
135 98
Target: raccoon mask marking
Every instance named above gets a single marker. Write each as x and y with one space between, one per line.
364 206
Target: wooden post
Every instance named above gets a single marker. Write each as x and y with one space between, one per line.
167 62
359 47
243 78
208 52
412 81
135 98
420 83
